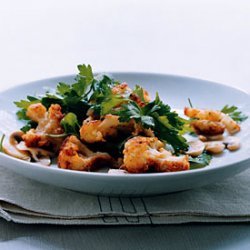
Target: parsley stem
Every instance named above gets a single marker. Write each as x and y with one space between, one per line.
190 103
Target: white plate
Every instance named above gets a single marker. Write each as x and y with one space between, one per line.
175 91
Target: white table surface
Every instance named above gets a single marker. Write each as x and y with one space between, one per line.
207 39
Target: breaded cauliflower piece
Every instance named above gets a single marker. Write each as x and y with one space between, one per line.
142 154
203 114
121 89
215 116
36 112
124 90
75 155
98 130
48 123
209 128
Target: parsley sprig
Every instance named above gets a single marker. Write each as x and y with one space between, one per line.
234 113
71 97
159 117
200 161
90 92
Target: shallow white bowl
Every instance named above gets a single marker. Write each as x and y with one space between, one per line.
174 90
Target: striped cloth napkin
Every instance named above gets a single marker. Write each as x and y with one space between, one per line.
26 201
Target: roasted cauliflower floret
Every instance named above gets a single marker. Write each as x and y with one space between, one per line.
209 128
48 124
98 130
75 155
142 154
36 112
121 89
215 116
140 101
203 114
124 90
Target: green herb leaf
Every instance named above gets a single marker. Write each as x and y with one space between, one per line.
139 92
165 131
234 113
101 97
21 115
147 121
86 71
111 101
200 161
24 104
130 111
158 116
62 88
187 128
70 124
29 125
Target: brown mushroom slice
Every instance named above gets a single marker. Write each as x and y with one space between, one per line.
232 143
13 151
46 161
215 137
114 171
203 138
214 147
196 148
10 147
231 125
211 138
39 155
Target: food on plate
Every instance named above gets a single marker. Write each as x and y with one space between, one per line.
98 122
48 123
212 121
75 155
142 154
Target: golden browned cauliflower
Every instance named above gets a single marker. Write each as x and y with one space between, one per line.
109 127
215 116
48 124
123 90
98 130
75 155
209 128
142 154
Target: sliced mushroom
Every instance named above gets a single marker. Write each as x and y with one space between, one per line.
214 147
114 171
10 147
232 143
46 161
215 138
202 138
39 155
196 148
211 137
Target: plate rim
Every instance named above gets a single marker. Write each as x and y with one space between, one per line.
129 72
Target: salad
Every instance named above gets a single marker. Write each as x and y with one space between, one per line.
98 122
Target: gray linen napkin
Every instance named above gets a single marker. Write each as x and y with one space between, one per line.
26 201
